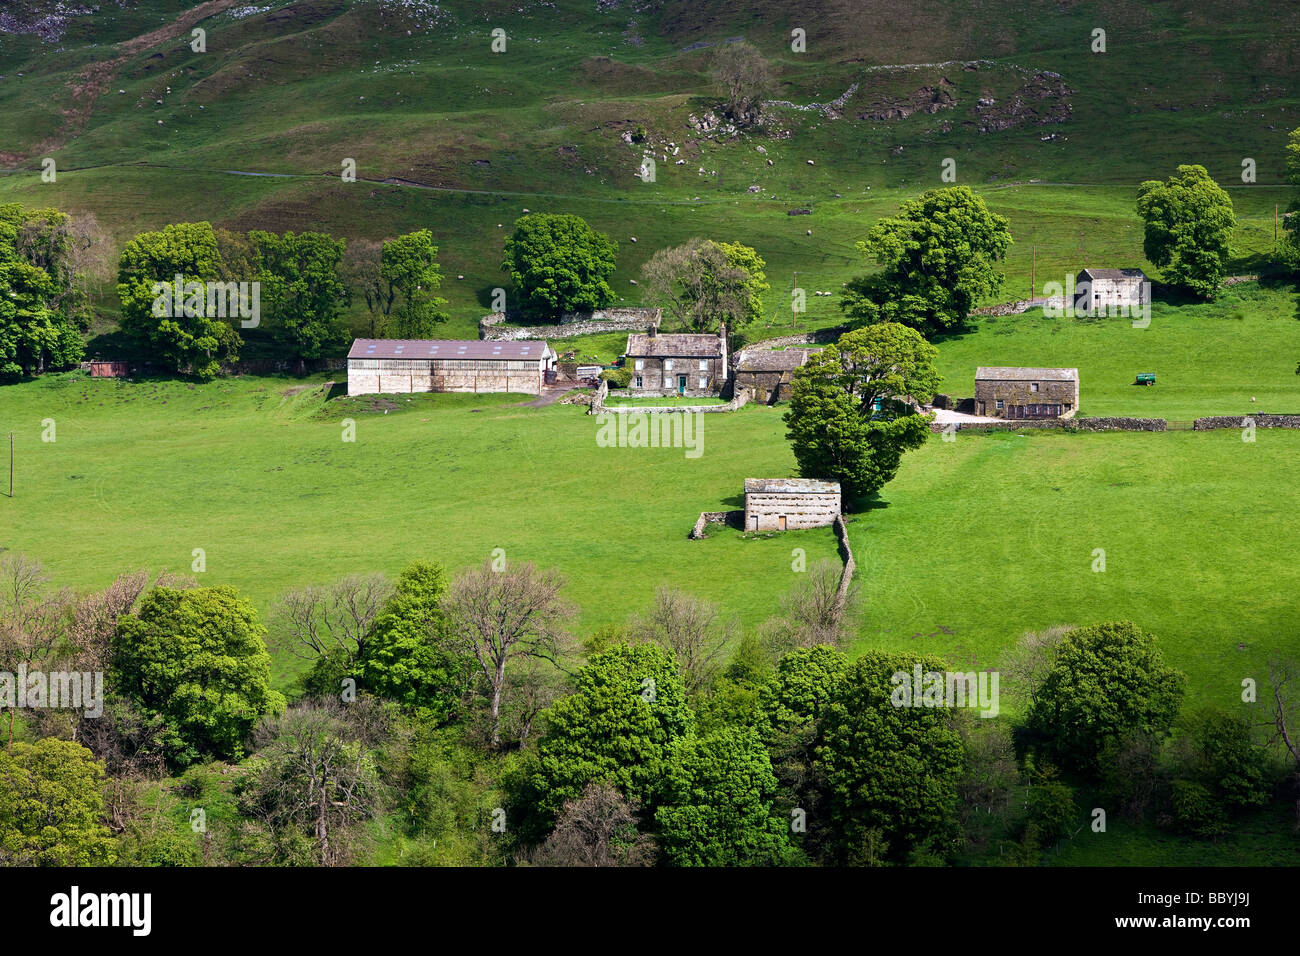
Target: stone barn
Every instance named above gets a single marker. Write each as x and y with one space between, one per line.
677 364
768 373
386 366
781 504
1107 291
1026 392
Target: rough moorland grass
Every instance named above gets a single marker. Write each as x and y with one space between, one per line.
976 541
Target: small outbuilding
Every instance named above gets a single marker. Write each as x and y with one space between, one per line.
781 504
1108 291
769 373
1020 393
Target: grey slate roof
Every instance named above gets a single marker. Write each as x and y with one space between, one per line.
1113 273
801 486
675 345
772 360
447 349
1026 374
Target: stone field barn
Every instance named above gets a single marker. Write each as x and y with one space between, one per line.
688 365
1106 291
780 504
768 373
1019 393
387 366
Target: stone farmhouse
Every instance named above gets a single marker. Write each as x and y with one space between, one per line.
1019 393
768 373
780 504
384 366
677 364
1106 291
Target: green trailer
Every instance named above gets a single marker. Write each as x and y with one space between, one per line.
1146 378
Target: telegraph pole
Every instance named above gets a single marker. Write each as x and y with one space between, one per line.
11 464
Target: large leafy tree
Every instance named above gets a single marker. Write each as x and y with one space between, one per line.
197 659
52 806
42 309
939 256
302 289
1106 681
182 339
617 727
742 76
850 417
891 772
408 282
408 656
1188 228
717 805
559 263
703 283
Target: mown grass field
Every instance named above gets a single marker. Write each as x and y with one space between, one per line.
975 542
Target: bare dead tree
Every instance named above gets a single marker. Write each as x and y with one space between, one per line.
315 777
1028 663
597 829
692 629
1284 679
328 619
31 617
500 616
742 76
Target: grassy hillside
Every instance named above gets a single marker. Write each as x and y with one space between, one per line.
976 541
450 136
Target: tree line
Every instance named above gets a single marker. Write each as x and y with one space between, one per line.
460 720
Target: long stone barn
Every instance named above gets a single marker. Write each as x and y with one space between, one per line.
391 366
781 504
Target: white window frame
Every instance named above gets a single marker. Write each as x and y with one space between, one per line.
1033 386
998 405
640 364
638 382
704 382
668 365
704 365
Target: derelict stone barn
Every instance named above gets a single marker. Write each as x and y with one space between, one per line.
780 504
677 364
769 373
1106 291
383 366
1020 393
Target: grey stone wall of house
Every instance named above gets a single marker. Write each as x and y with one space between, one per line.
654 376
1242 421
1106 293
763 510
1037 402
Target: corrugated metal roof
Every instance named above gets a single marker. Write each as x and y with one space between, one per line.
675 345
447 349
802 486
1114 273
1027 374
